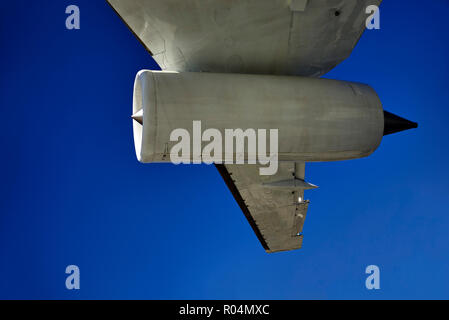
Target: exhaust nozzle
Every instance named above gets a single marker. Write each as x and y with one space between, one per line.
394 123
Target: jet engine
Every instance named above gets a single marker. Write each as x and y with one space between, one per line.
317 119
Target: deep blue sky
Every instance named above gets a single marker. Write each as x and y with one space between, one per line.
72 191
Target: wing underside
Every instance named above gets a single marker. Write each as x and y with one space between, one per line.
297 37
273 205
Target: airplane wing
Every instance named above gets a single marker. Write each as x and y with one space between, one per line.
273 205
296 37
284 37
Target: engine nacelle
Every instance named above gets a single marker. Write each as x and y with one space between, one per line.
317 119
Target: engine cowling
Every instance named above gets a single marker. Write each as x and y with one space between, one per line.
317 119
